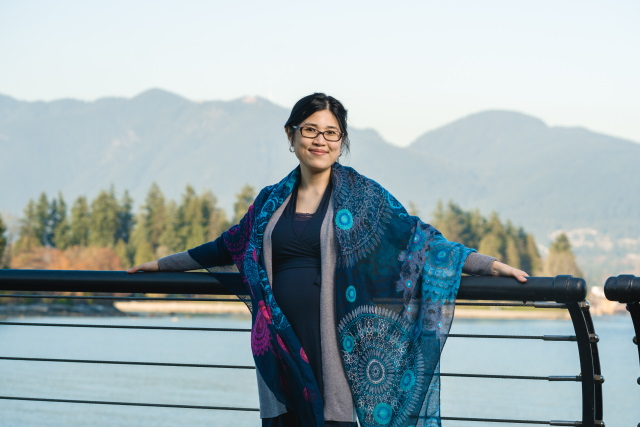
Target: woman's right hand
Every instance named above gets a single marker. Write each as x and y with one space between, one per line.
147 266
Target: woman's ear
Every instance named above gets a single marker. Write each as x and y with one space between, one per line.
289 133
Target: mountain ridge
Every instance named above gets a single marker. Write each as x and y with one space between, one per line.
544 178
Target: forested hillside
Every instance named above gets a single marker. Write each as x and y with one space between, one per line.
548 179
106 234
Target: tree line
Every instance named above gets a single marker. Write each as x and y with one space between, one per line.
510 244
49 229
106 234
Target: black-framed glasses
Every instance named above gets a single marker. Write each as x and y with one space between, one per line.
311 132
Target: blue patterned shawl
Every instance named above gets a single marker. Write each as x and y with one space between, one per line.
396 280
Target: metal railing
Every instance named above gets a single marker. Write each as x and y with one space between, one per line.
561 292
625 289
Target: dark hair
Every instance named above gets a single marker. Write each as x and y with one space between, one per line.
317 102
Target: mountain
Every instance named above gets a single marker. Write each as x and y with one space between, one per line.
548 178
81 147
542 178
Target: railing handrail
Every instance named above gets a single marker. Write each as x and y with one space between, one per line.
624 288
558 289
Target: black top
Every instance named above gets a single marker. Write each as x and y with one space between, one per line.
296 236
297 273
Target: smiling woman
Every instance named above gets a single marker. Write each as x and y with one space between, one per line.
316 145
352 298
316 149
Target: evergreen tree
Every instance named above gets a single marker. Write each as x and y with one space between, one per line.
244 199
125 218
444 221
455 224
561 259
28 237
561 244
195 221
192 220
512 252
150 224
170 241
80 223
216 218
126 222
154 218
531 261
59 223
144 252
490 236
41 216
104 219
3 243
494 241
139 244
491 245
124 252
477 225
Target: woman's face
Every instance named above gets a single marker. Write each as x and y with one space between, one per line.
317 154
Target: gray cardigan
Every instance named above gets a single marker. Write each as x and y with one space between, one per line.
338 403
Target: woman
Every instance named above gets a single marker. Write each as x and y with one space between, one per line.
352 298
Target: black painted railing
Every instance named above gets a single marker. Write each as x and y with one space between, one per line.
625 289
561 292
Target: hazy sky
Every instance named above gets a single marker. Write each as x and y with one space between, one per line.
402 67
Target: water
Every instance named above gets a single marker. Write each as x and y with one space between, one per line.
538 400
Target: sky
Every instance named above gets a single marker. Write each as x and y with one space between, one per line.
402 68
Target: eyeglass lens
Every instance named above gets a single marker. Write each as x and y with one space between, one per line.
329 135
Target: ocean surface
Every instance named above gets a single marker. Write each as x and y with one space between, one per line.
461 397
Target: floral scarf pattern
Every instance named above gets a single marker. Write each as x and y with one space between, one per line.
396 280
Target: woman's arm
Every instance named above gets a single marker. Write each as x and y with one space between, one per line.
484 265
210 254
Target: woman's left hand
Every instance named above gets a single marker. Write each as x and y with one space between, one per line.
500 269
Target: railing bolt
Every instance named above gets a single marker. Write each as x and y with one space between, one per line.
585 305
598 379
594 338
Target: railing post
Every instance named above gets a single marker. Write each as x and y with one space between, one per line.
634 309
597 377
589 364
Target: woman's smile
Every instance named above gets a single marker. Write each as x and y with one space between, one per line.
317 155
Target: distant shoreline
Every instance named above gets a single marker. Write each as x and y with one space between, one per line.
73 310
234 306
161 307
470 313
237 307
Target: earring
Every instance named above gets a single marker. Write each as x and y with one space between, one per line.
291 149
